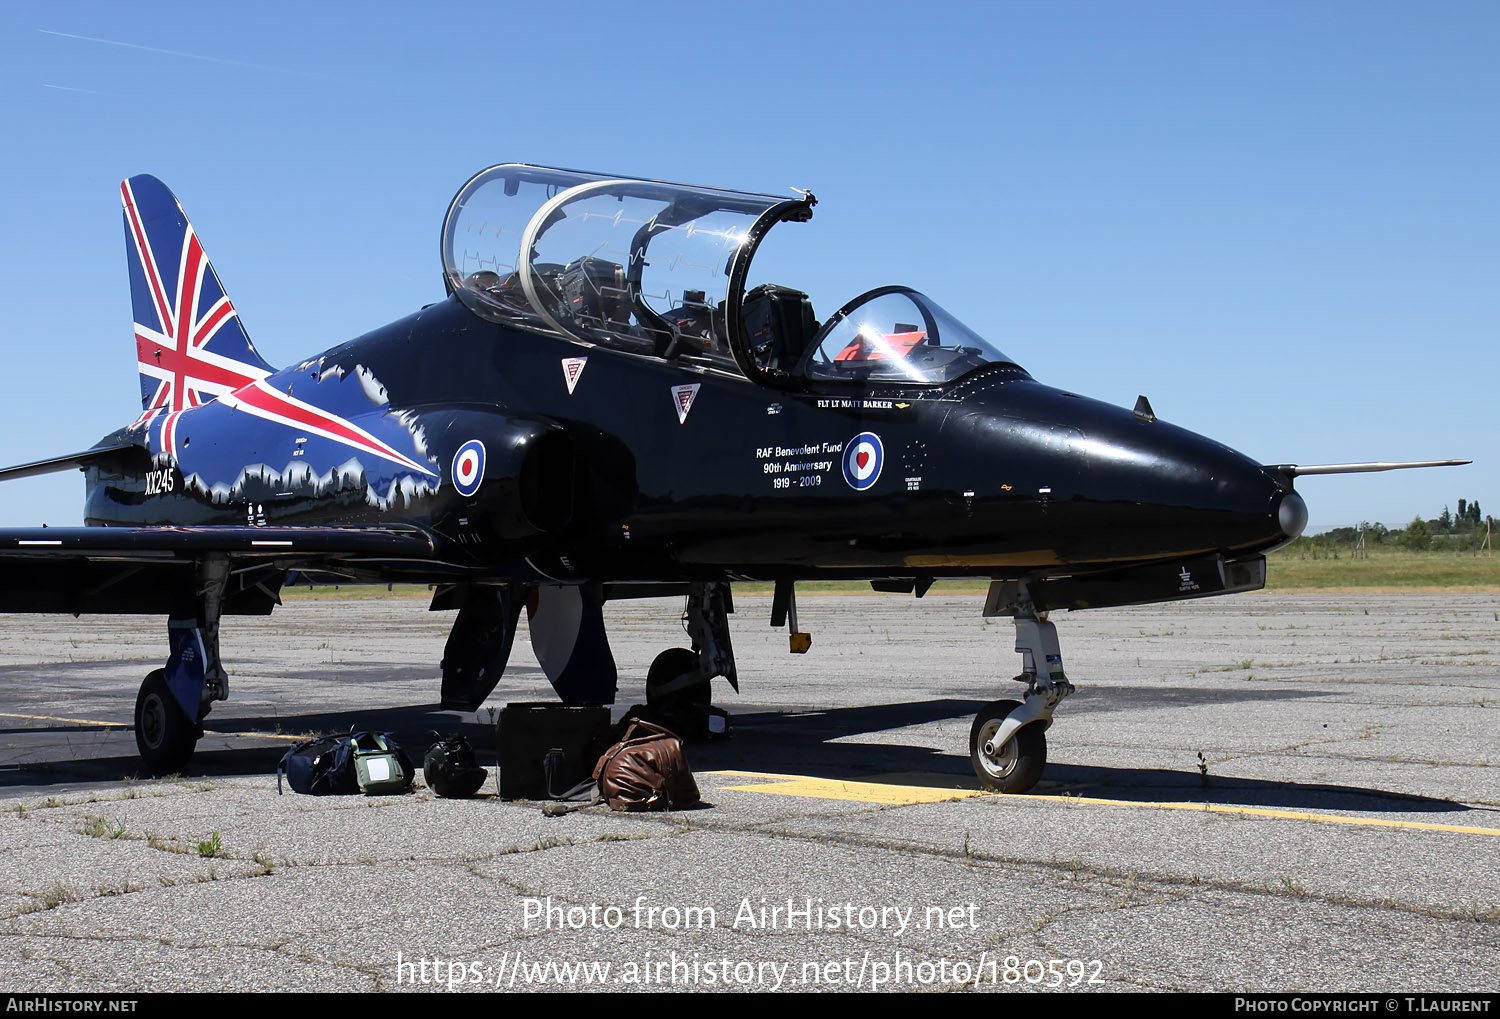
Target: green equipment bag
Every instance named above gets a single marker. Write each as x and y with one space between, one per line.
381 767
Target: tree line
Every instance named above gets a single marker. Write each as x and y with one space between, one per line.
1448 531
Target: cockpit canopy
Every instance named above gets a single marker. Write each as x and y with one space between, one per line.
895 334
659 269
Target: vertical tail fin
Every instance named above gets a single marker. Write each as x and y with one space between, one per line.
188 338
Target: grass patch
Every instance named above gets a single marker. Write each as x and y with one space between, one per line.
1292 570
53 897
356 592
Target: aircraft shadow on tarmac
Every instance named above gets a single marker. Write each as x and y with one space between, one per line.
821 743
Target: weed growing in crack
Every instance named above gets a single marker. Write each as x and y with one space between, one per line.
51 898
211 847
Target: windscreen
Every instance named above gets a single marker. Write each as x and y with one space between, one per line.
895 334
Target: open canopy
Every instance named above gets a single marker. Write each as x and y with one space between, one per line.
659 269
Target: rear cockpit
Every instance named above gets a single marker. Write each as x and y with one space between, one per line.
660 269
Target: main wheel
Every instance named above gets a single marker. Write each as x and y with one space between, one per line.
667 667
164 735
1015 767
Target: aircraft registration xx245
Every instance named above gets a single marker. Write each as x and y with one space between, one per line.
600 408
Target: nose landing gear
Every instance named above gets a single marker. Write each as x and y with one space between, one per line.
1008 742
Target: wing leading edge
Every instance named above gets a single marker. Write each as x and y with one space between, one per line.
126 543
122 456
153 570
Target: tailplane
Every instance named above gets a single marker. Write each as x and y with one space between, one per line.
189 341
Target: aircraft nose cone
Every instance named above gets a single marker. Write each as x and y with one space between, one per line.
1176 492
1292 515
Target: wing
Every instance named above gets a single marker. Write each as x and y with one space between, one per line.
151 570
120 456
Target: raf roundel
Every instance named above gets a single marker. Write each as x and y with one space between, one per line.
863 458
468 467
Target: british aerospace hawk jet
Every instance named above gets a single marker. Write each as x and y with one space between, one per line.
600 408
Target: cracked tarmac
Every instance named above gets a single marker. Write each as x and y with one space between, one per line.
1268 792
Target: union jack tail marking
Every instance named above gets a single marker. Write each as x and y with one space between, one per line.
190 345
189 342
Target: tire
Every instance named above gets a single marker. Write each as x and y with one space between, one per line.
164 735
668 666
1020 764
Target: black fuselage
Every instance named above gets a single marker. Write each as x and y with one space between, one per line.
993 474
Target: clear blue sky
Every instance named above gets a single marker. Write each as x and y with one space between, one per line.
1280 221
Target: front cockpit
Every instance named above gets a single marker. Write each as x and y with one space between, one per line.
895 334
660 270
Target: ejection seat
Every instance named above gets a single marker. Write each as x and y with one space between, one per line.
778 325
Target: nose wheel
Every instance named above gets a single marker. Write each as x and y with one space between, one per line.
1015 766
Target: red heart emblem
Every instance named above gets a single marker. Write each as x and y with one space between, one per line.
862 458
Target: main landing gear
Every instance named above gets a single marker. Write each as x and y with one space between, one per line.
1008 741
679 682
164 734
172 703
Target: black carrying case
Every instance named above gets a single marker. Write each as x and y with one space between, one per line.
573 736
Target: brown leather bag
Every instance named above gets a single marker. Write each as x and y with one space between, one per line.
646 770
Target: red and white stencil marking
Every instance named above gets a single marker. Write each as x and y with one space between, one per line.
683 397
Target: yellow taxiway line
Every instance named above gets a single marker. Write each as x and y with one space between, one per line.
127 725
888 793
843 789
73 721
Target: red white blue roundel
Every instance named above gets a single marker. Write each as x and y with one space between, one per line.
468 467
863 458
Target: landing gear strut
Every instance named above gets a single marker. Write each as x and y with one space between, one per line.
173 701
679 682
1008 742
